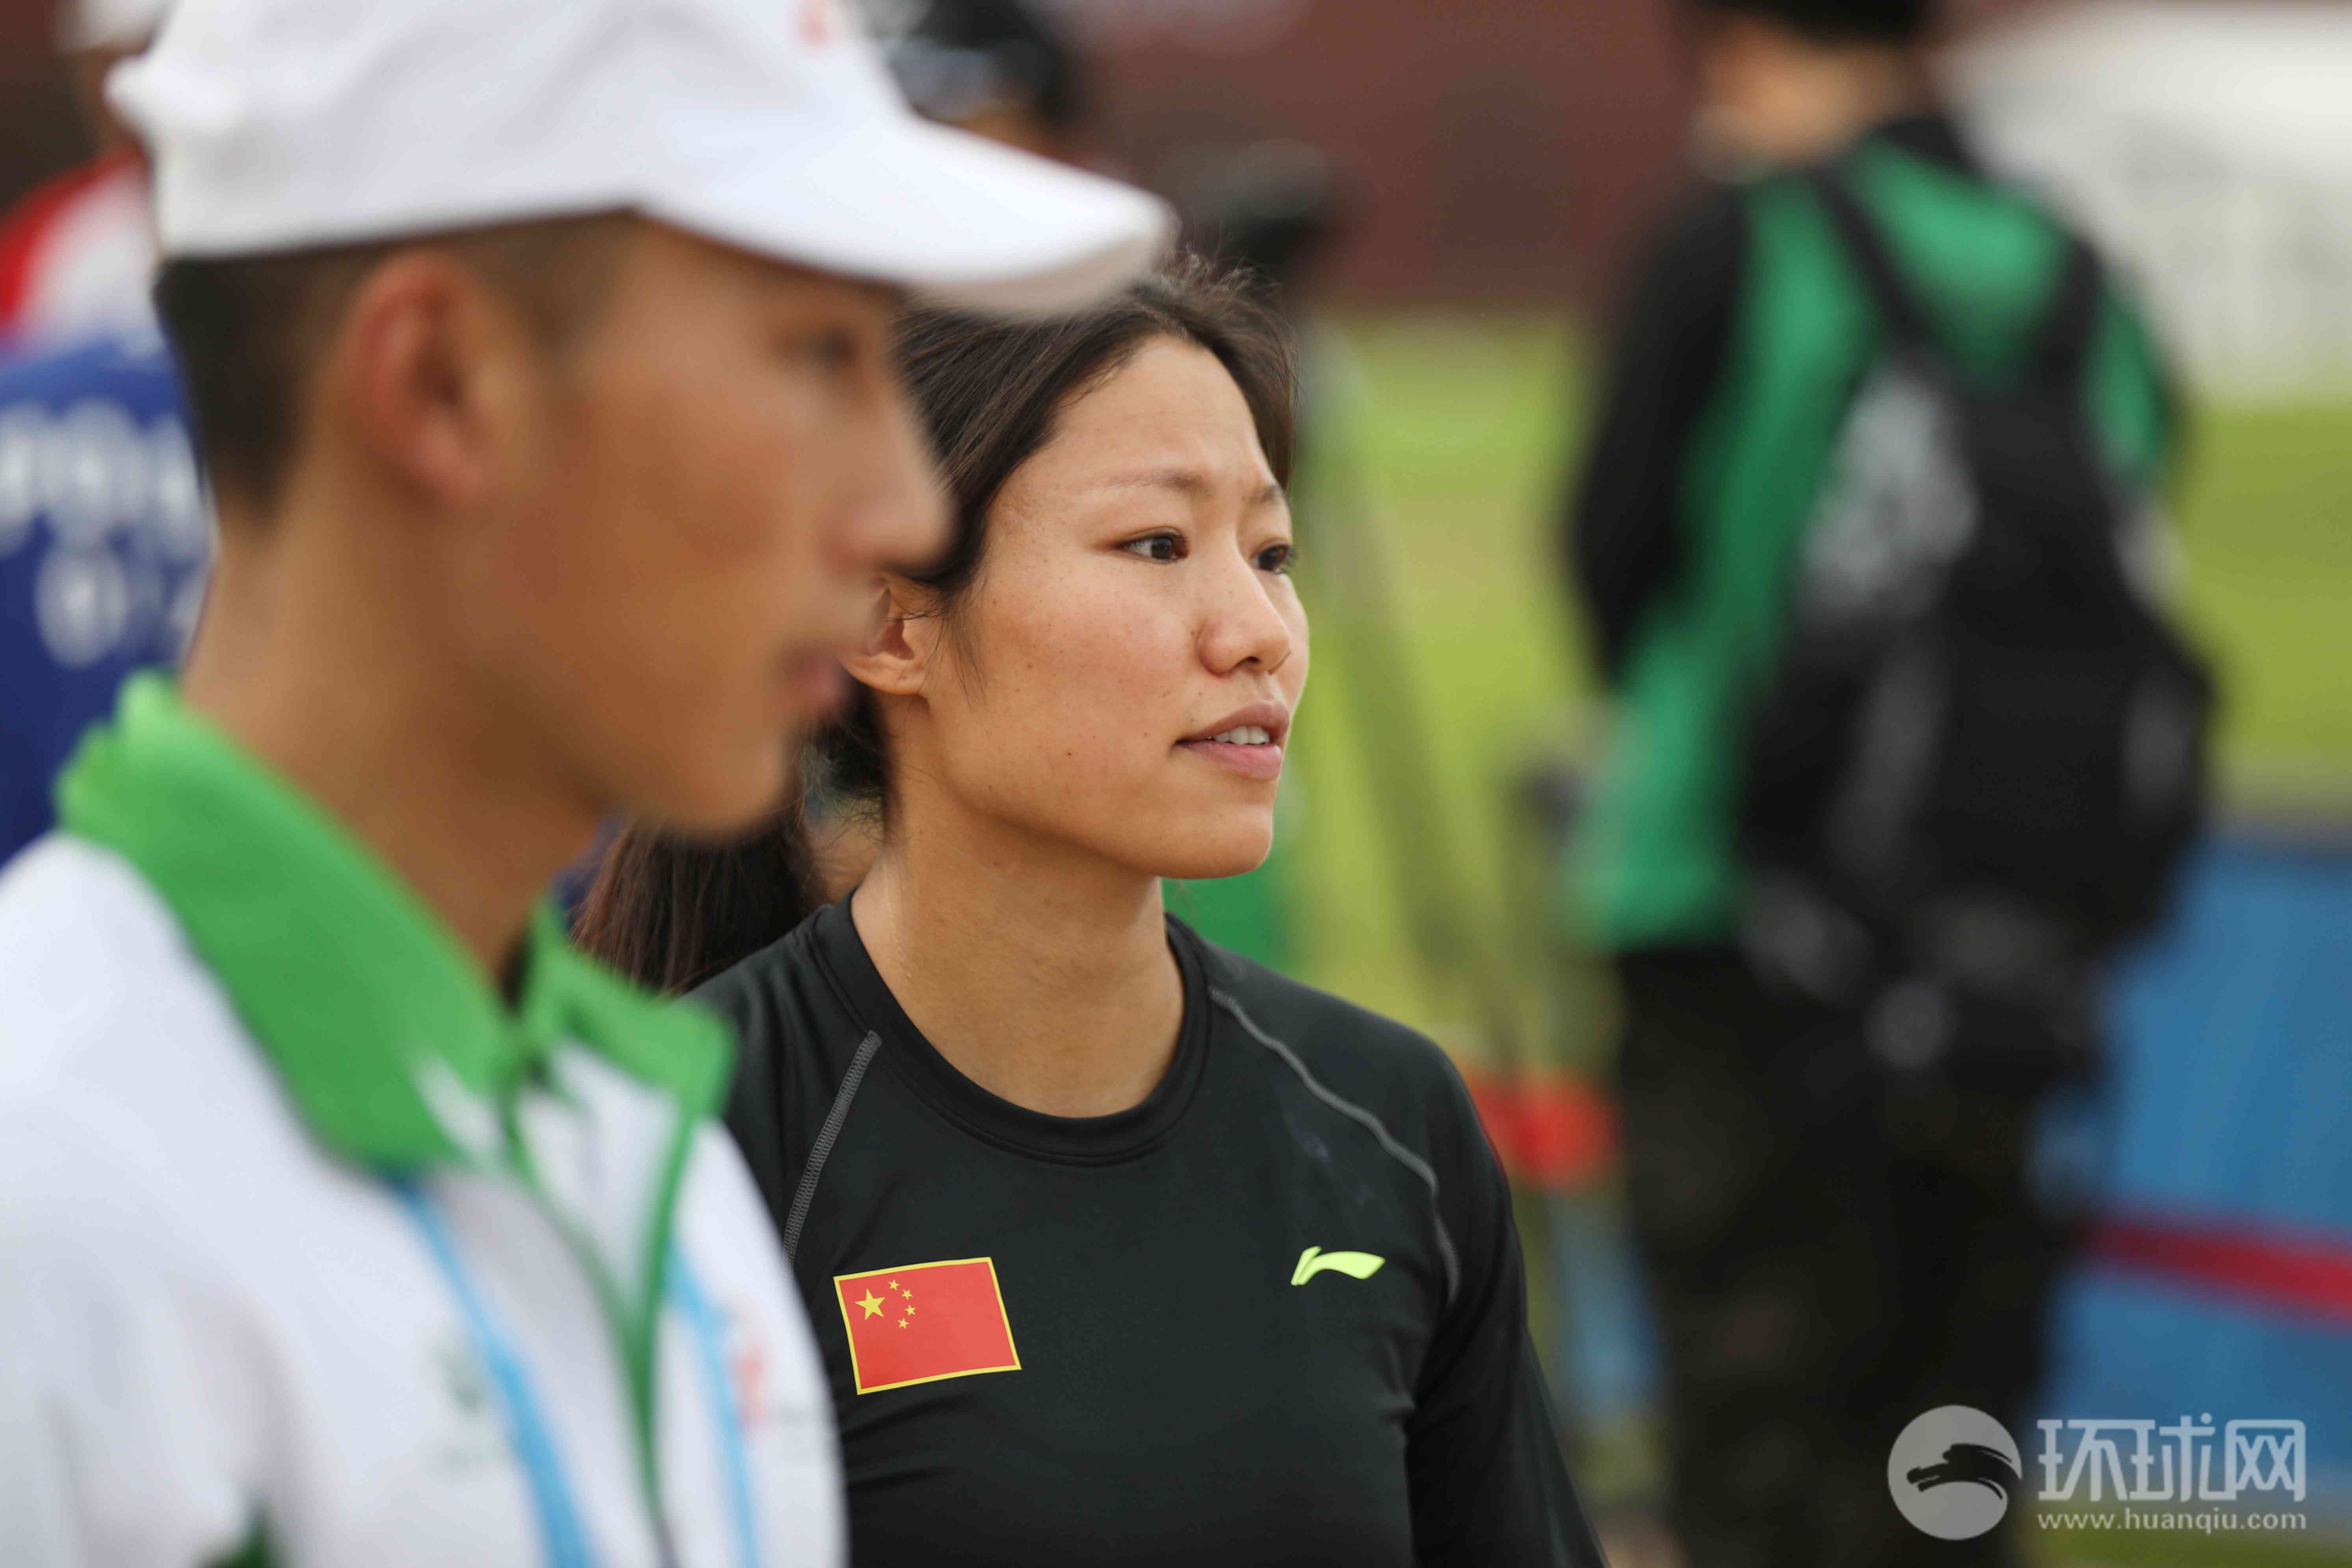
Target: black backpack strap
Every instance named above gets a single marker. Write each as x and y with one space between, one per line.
2061 343
1898 308
2072 321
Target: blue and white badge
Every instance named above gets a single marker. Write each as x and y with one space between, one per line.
105 536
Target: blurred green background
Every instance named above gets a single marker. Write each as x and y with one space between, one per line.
1465 429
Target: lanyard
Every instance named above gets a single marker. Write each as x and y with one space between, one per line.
710 1338
527 1429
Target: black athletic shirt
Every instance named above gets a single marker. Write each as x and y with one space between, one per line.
1178 1399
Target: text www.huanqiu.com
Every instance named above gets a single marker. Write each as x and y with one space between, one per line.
2209 1521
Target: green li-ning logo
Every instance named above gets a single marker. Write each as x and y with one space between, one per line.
1354 1265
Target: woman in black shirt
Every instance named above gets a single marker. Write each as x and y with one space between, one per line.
1119 1246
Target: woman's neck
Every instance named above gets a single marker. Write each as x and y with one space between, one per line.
1041 973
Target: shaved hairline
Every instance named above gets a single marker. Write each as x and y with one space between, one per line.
250 332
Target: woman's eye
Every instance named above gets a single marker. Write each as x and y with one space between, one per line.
1156 547
1277 558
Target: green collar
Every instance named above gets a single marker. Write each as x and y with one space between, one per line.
363 1001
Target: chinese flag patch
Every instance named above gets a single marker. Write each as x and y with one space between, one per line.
924 1322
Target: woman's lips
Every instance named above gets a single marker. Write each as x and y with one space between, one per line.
1262 762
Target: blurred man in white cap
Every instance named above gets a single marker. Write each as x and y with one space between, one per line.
77 253
538 353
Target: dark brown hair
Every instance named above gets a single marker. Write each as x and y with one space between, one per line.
1840 21
671 913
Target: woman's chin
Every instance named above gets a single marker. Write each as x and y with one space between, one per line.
1209 856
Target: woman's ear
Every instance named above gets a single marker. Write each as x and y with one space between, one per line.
896 656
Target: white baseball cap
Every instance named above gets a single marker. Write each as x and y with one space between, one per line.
109 24
769 125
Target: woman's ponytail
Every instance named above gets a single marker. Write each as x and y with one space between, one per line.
671 912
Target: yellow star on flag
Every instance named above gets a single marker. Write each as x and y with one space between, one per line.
873 1305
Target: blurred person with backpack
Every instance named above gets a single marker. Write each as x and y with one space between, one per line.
1902 750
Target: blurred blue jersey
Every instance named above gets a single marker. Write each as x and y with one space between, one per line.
104 538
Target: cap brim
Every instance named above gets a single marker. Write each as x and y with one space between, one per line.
954 218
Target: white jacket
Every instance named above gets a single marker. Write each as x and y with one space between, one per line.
207 1323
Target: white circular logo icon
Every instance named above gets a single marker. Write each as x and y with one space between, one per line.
1953 1471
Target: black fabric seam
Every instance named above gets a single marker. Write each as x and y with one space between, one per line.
1364 1118
805 1194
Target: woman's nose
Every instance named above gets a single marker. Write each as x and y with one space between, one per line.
1244 624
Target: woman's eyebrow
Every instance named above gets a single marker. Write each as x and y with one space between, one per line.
1190 483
